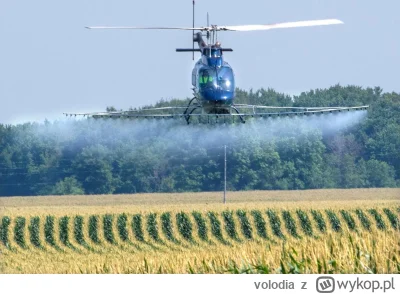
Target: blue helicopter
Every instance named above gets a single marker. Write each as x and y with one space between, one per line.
213 80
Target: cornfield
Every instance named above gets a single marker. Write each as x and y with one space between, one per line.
228 241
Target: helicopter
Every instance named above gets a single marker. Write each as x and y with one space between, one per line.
213 80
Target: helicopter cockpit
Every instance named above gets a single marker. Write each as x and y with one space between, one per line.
213 56
212 52
217 83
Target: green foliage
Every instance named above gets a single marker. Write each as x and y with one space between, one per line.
290 223
19 231
245 224
67 186
215 225
201 225
305 222
275 223
334 220
230 227
49 230
34 229
166 225
259 223
394 220
349 219
108 228
78 230
5 224
380 174
137 227
94 228
122 221
378 218
319 219
365 222
94 170
63 230
152 227
184 225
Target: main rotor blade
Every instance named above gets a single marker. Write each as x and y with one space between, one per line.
144 28
296 24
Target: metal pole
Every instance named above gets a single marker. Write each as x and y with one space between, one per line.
225 175
193 32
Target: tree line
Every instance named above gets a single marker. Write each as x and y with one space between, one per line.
125 156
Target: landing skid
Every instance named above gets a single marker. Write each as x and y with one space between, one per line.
237 111
192 108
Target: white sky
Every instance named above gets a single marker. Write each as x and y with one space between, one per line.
49 63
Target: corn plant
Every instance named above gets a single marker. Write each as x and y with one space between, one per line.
394 220
94 228
19 231
78 230
246 268
166 225
321 225
378 218
5 224
152 227
365 222
334 220
349 219
215 225
201 225
122 221
108 228
137 227
184 225
245 224
259 223
34 229
275 223
305 222
49 230
63 230
230 224
290 223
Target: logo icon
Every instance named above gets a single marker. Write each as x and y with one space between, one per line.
325 284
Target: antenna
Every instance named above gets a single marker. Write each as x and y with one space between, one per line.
224 174
208 32
193 31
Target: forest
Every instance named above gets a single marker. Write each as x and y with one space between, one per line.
120 156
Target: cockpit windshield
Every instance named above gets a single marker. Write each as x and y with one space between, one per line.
208 78
226 79
221 78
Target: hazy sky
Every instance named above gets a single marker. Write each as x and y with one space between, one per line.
49 63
